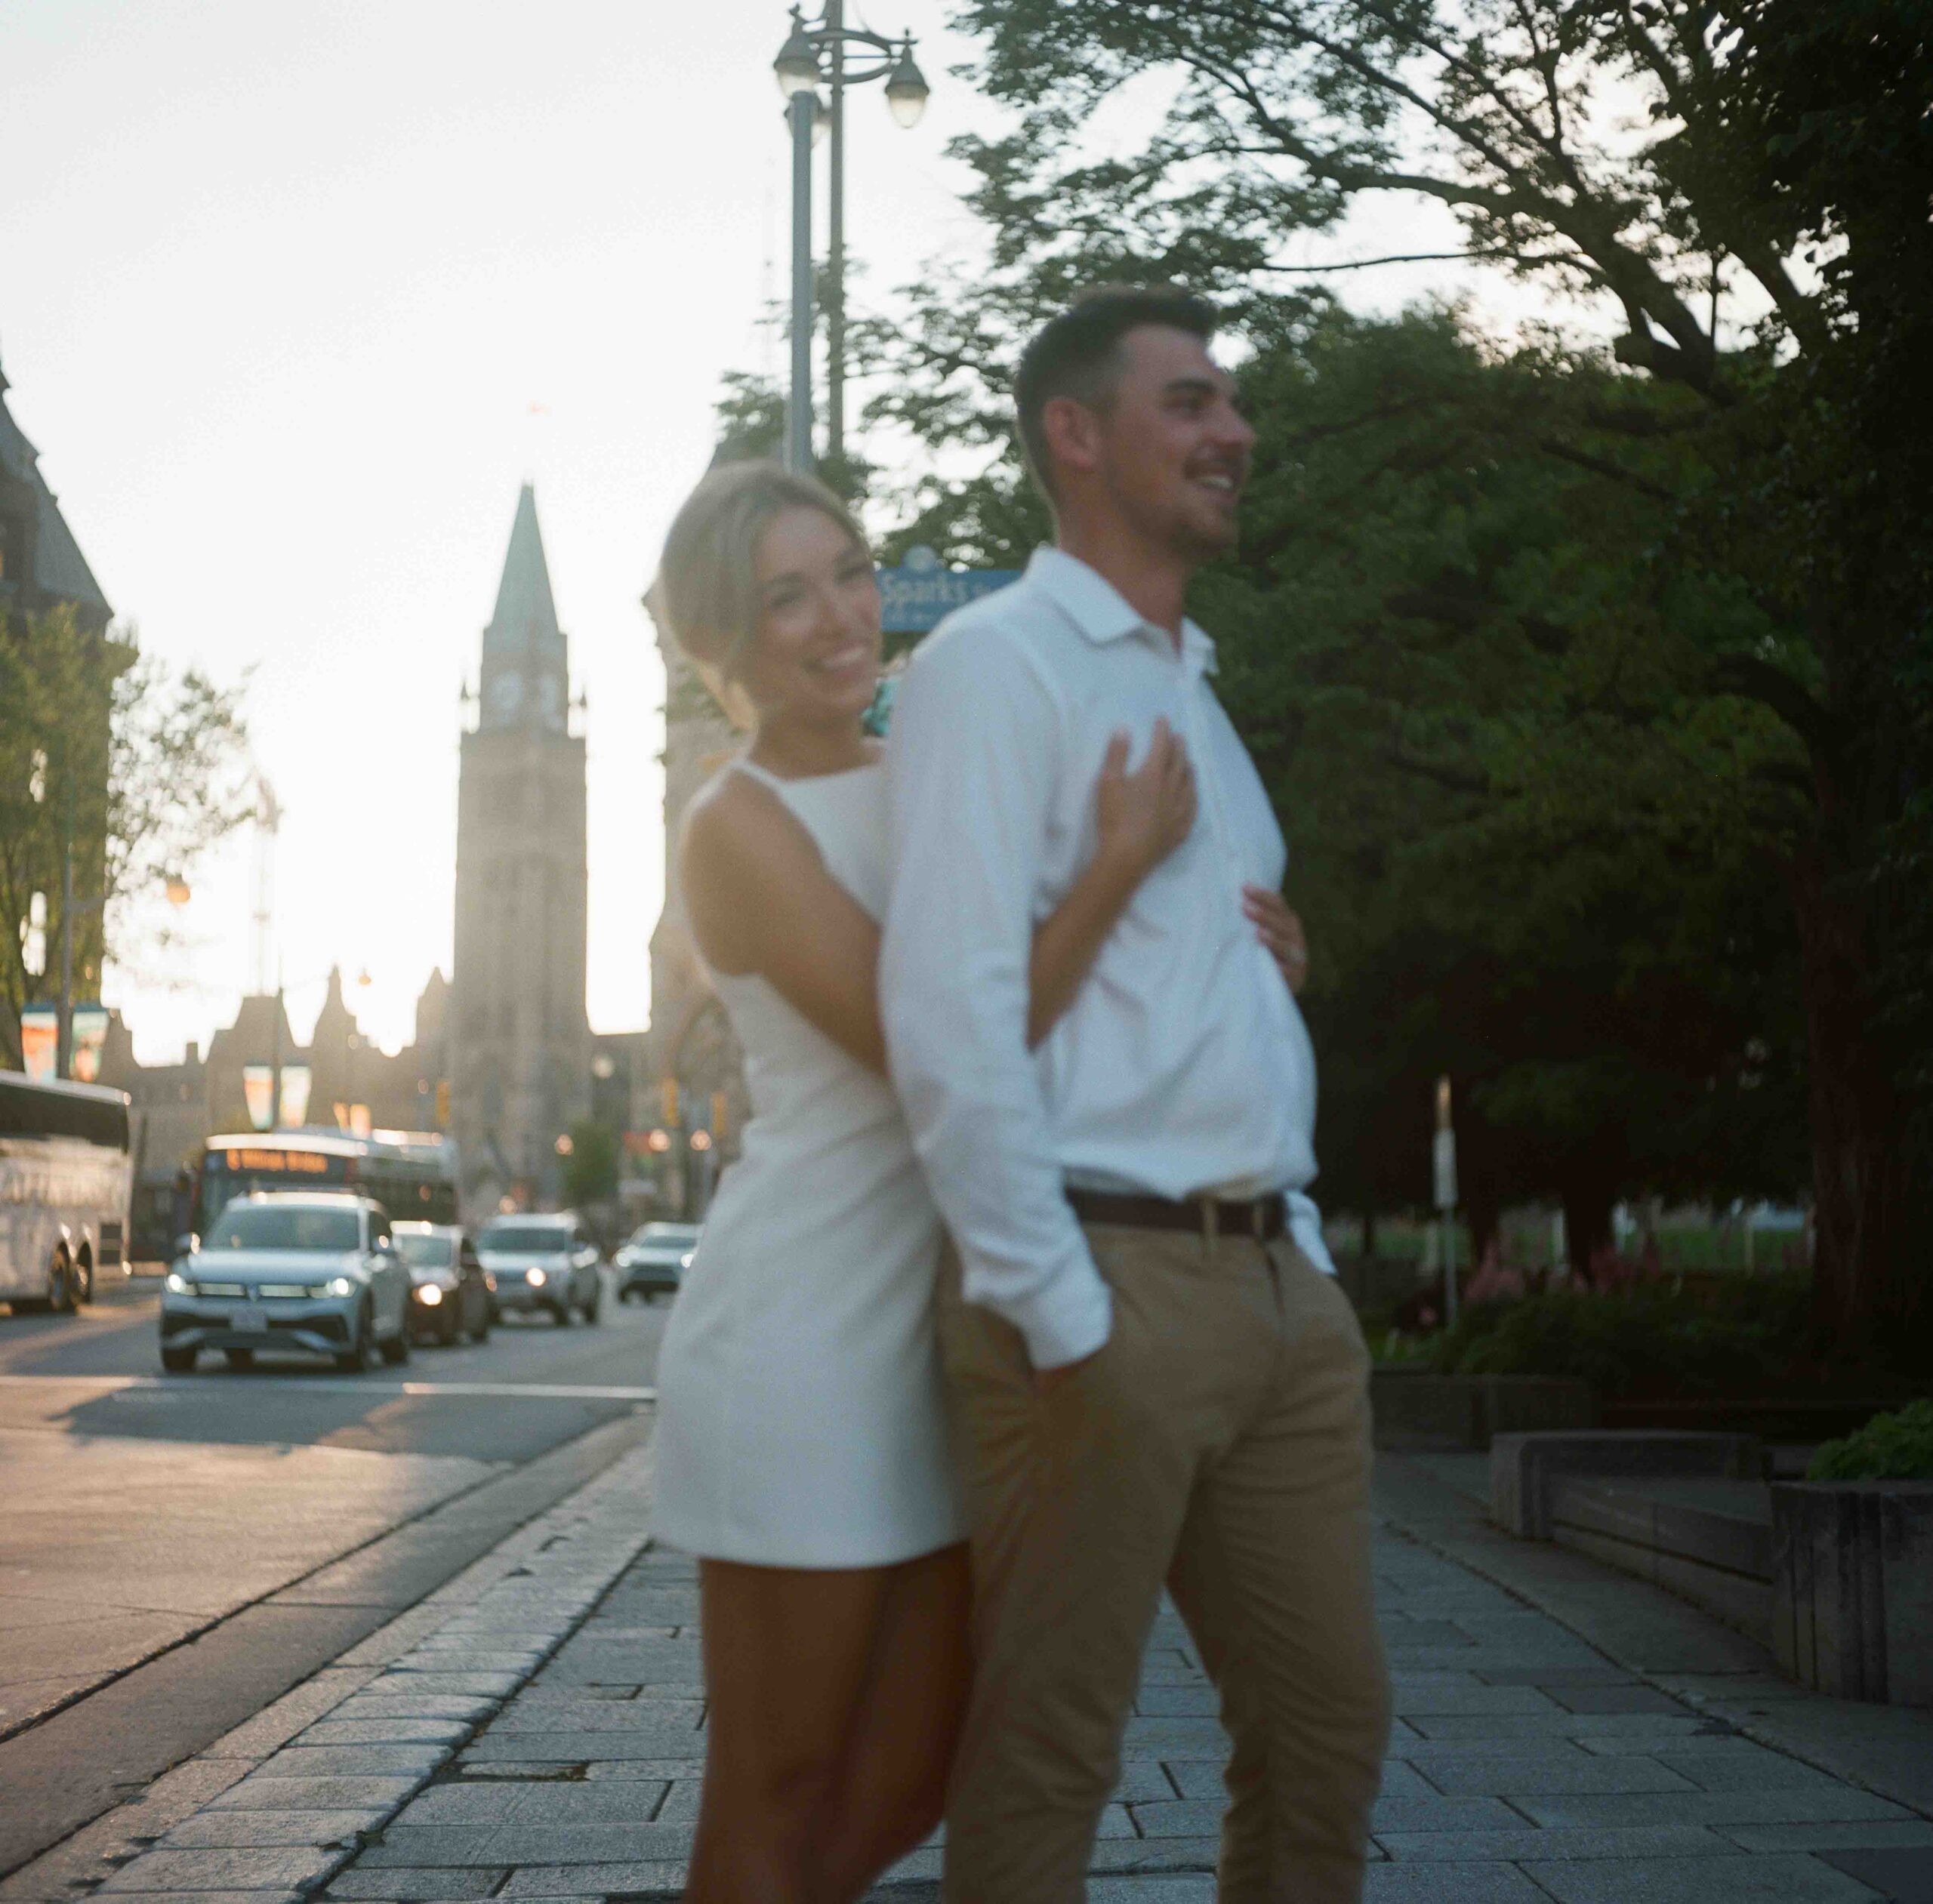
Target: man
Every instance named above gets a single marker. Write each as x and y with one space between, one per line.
1152 1378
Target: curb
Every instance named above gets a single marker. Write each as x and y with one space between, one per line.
282 1803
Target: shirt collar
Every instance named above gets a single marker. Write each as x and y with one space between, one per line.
1099 611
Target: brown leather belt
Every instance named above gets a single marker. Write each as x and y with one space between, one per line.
1263 1217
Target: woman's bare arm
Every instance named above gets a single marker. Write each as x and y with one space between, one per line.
761 900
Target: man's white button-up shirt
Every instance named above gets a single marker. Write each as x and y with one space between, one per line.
1183 1064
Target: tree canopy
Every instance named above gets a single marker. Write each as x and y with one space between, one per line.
136 764
590 1170
1611 663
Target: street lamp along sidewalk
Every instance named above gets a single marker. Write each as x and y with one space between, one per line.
811 54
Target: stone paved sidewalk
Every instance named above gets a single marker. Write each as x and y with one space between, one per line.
282 1802
1523 1766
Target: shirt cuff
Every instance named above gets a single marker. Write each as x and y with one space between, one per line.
1306 1231
1066 1319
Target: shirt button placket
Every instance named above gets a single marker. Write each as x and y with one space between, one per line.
1205 777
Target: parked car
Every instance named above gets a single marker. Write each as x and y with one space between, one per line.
315 1270
451 1293
654 1261
548 1262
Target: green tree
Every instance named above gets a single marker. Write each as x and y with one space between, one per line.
1755 424
590 1171
751 425
1472 675
751 419
1472 680
136 766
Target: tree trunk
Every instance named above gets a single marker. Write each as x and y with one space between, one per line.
1587 1207
1871 1185
1483 1213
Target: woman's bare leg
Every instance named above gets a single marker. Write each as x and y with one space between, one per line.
788 1658
892 1781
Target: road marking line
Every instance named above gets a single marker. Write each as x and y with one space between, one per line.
318 1385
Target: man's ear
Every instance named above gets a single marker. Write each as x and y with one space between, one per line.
1073 433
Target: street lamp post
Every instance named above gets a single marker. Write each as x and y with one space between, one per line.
812 53
176 887
64 1051
802 110
835 238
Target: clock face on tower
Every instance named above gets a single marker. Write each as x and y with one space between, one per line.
506 694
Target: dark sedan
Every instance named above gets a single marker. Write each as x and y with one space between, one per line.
450 1293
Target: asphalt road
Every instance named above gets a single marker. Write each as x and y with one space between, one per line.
175 1551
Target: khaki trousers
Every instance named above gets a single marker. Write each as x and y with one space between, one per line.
1219 1443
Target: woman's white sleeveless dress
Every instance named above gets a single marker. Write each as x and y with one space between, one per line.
800 1419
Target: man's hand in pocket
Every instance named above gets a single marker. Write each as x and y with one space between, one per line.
1046 1381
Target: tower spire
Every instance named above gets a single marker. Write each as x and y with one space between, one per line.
525 679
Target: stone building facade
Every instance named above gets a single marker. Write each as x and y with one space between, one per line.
41 564
176 1108
519 1039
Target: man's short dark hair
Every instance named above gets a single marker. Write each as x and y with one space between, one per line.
1078 354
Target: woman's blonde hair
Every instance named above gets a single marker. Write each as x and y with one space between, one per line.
708 577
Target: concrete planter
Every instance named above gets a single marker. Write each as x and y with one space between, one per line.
1686 1512
1852 1587
1527 1470
1415 1408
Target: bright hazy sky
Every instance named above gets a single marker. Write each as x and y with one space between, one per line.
294 295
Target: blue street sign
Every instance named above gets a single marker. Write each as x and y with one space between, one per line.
915 595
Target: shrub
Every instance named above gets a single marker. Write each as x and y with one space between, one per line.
1391 1348
1894 1447
1647 1337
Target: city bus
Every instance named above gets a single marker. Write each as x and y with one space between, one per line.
412 1174
65 1177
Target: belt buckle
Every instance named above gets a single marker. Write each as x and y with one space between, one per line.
1210 1221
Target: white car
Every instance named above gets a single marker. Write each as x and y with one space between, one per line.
280 1270
654 1261
548 1262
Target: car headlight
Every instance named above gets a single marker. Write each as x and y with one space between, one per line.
685 1262
176 1284
536 1278
428 1295
339 1286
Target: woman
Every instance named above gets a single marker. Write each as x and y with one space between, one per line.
801 1444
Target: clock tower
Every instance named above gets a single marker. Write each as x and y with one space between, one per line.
519 1039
